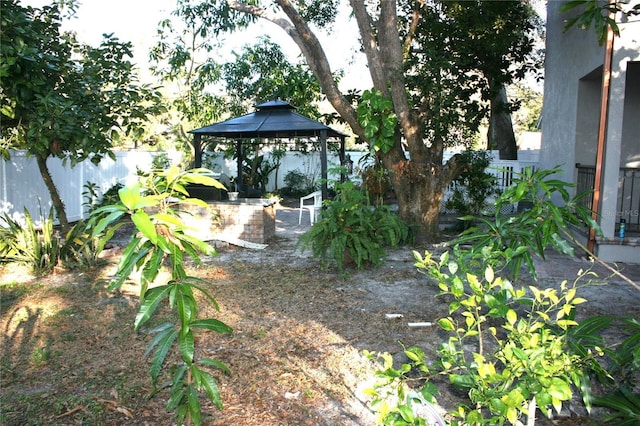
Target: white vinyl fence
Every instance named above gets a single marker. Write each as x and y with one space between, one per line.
21 185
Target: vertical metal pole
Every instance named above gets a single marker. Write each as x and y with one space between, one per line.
602 132
343 176
323 163
239 163
197 150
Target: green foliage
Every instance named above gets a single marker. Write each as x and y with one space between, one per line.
599 14
412 407
163 237
473 185
256 170
297 184
376 115
161 161
618 368
30 244
532 231
515 350
529 364
41 98
350 229
81 248
65 99
279 79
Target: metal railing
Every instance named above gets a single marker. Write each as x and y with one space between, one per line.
628 198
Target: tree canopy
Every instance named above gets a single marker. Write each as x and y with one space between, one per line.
62 98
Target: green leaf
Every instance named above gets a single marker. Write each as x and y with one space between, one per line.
152 299
129 195
406 413
203 180
106 221
212 325
164 340
211 388
446 324
186 343
194 406
214 363
559 389
144 225
463 381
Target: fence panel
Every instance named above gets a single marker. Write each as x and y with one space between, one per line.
21 185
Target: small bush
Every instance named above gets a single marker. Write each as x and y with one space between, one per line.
473 186
29 244
297 184
351 230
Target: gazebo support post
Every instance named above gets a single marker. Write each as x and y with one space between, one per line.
197 150
343 176
323 163
239 163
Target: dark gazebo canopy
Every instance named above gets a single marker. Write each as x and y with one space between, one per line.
273 119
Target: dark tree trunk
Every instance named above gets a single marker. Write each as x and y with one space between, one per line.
58 205
419 191
500 135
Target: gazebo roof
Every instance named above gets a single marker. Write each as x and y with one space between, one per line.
273 119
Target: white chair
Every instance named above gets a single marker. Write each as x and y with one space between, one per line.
314 209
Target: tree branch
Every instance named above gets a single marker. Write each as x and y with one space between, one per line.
312 50
392 58
370 45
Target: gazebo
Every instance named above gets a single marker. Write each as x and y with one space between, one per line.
271 120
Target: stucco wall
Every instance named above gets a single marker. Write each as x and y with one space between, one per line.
570 56
571 114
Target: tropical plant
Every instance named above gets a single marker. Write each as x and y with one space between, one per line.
618 368
542 225
351 230
81 248
297 184
29 243
163 236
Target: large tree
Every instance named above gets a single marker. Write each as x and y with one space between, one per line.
393 116
498 39
64 99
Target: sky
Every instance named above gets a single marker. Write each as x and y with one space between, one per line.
137 20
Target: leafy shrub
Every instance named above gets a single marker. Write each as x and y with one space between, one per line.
350 229
515 350
81 249
163 237
92 200
532 231
473 186
28 244
297 184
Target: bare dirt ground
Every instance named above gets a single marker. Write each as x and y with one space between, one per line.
70 355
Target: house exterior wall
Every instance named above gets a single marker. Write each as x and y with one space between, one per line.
571 110
569 57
